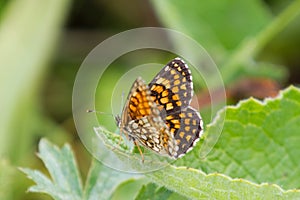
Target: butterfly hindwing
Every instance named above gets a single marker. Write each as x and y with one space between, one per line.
186 126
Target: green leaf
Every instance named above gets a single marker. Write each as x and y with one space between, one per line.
194 184
28 31
250 48
7 176
260 141
214 24
263 69
102 181
129 189
3 5
66 181
124 158
233 32
152 191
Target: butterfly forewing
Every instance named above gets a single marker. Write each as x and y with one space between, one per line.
172 87
142 122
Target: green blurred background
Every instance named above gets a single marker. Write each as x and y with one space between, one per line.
43 43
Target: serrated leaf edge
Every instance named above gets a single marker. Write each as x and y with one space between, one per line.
261 185
260 102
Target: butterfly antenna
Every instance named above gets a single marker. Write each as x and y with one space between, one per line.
122 101
98 112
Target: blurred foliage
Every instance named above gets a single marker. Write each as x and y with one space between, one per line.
42 44
28 33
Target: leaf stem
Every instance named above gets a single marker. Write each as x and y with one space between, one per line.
250 48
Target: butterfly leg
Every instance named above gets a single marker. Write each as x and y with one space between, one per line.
119 142
138 146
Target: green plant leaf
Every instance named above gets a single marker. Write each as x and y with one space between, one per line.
263 69
154 192
129 189
102 181
260 141
233 42
213 23
250 48
28 31
3 6
7 176
66 181
127 158
195 184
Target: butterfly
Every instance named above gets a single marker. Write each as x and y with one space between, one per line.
158 115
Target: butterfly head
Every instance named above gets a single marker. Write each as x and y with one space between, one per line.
118 120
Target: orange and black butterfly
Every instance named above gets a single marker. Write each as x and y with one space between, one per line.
158 116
